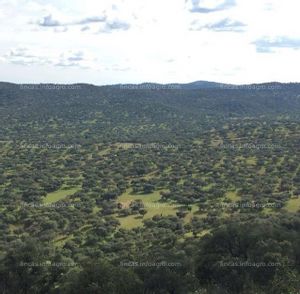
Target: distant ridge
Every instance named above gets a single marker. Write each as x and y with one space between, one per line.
176 86
202 85
185 86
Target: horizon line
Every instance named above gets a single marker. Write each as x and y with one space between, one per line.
149 83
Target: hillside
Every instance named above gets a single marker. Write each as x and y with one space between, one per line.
150 188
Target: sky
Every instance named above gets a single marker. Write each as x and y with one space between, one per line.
133 41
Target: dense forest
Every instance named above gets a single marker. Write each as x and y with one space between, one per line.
154 189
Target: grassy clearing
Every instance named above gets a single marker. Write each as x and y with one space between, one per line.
128 196
130 222
207 187
218 164
251 160
293 205
104 152
198 235
198 141
125 145
152 205
60 241
233 196
216 142
12 228
231 135
96 209
149 176
189 216
268 211
59 195
280 161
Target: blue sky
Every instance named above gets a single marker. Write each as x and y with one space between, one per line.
133 41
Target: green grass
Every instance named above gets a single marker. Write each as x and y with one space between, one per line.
251 160
293 205
152 205
231 135
218 164
198 235
198 141
207 187
104 151
125 145
233 196
129 196
130 222
190 214
96 209
59 195
149 176
12 228
268 211
216 142
60 241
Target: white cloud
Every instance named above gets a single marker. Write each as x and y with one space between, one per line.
209 6
31 56
223 25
